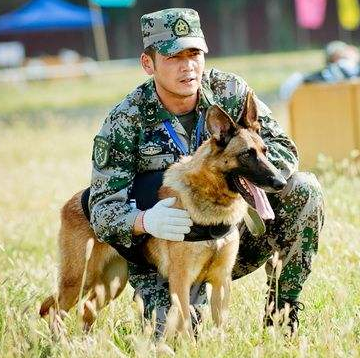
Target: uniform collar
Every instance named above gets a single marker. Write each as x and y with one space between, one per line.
154 112
206 96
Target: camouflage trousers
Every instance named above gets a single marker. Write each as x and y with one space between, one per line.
294 234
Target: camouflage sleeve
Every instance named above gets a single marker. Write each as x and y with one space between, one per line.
282 151
231 90
114 167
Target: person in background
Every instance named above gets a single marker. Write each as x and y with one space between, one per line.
342 62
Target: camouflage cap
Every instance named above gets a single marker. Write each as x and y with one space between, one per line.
172 30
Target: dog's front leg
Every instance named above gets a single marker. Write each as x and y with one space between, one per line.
179 287
220 299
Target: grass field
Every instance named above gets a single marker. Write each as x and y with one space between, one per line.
44 158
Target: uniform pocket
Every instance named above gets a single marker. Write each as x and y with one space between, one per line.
155 162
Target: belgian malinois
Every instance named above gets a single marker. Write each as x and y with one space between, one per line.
215 185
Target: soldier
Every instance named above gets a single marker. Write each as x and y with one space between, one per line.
160 121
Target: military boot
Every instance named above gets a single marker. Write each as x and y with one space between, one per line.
285 314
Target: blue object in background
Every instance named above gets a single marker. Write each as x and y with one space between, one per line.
45 15
114 3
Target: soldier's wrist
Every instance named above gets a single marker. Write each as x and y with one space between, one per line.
138 228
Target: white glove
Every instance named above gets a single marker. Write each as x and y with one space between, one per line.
167 223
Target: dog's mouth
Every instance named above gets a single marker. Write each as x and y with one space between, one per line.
253 195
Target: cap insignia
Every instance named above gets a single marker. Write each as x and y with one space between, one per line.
181 27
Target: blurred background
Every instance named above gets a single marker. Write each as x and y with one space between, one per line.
83 55
231 27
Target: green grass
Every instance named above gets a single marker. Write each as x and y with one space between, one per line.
45 158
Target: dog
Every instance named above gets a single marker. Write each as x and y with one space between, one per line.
215 185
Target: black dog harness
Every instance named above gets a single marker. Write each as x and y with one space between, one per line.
144 192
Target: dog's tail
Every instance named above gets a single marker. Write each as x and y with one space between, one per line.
46 305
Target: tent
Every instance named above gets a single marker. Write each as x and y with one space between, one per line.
45 15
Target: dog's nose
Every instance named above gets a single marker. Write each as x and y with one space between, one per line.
279 183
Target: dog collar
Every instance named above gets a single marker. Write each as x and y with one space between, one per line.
212 232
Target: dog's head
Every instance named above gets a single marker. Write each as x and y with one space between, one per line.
239 153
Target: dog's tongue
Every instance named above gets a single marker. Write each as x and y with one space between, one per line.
262 204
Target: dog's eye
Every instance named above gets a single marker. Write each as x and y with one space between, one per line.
248 153
265 150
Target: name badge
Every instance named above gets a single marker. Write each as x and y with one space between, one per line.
151 150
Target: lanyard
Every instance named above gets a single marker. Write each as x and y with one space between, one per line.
199 130
176 139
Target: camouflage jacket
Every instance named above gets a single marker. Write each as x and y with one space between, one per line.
133 139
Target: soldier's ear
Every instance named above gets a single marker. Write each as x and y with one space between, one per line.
249 116
220 125
147 64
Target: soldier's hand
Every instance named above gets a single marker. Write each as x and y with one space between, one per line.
167 223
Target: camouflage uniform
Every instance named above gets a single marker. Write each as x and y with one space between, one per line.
133 139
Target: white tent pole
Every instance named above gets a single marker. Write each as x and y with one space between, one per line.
101 47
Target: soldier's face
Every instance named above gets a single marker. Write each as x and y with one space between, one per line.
179 74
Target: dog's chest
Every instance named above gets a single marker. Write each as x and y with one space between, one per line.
217 244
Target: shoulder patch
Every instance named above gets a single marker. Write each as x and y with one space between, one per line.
101 151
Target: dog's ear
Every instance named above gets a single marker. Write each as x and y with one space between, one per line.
220 125
249 116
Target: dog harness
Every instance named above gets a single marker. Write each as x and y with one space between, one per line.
145 188
197 233
144 192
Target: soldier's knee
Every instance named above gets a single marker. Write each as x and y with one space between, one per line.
307 186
